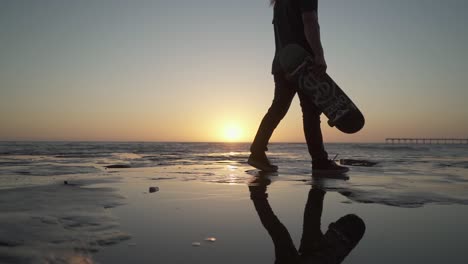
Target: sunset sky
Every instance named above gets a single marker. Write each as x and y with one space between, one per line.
186 70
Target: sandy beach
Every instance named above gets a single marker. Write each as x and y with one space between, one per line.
210 213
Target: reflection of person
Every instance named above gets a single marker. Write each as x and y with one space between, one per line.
332 247
295 21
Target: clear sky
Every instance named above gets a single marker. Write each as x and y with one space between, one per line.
187 70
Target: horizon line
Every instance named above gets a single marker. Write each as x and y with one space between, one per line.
171 141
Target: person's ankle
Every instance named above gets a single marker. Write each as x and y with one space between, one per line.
260 161
319 161
257 154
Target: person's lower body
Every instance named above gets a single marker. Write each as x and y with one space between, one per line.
285 251
284 94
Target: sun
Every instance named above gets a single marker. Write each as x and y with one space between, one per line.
232 132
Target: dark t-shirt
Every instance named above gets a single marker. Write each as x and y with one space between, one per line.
288 25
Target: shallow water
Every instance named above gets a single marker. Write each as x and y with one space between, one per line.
164 226
57 223
413 202
405 175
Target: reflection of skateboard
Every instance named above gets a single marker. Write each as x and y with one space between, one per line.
298 65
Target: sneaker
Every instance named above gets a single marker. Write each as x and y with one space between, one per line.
261 162
328 167
258 188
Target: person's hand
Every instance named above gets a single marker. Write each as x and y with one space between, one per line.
320 65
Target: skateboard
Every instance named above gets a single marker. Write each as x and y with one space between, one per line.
342 113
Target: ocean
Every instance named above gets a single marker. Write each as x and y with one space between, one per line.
407 175
17 157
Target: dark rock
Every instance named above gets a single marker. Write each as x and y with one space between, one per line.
118 166
153 189
69 183
10 243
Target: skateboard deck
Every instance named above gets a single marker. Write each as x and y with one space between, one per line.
342 113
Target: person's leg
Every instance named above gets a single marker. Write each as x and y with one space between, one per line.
312 237
314 139
284 93
312 129
285 251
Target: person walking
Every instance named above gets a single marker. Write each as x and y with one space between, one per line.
295 21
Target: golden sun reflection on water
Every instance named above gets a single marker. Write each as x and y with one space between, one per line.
77 259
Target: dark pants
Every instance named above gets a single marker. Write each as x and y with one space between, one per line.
284 94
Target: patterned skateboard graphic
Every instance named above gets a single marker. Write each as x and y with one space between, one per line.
342 113
323 91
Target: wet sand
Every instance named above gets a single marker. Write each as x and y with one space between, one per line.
112 217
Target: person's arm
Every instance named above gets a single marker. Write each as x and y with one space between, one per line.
312 34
